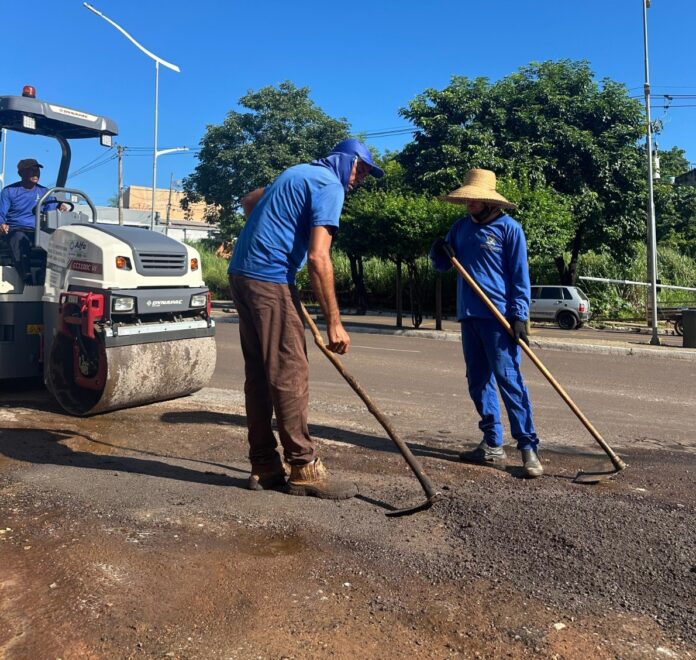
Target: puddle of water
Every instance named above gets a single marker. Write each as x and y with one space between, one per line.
275 547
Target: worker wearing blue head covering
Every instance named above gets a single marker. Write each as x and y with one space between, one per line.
289 223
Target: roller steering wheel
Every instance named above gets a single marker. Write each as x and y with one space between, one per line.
60 202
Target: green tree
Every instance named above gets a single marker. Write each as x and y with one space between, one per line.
550 125
675 206
399 226
545 215
354 236
281 127
675 216
673 163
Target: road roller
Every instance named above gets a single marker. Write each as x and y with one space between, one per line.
111 316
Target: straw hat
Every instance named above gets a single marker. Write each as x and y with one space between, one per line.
478 185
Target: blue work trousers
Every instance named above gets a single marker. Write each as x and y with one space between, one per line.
492 357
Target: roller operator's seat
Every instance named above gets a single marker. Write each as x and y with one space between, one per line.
37 259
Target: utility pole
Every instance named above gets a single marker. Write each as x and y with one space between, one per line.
652 239
119 152
169 202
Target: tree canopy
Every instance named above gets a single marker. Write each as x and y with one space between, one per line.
675 206
388 221
281 127
567 148
545 215
550 125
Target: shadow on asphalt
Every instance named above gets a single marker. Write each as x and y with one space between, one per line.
43 446
363 440
31 398
375 502
316 430
358 439
145 452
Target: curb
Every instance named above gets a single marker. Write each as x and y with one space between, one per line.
543 344
602 349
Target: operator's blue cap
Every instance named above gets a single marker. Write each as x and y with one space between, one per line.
354 147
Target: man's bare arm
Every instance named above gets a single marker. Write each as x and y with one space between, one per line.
322 278
250 200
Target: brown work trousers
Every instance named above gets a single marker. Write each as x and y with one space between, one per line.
271 330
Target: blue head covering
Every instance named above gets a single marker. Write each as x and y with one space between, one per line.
343 155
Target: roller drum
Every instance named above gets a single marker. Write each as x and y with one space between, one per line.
135 375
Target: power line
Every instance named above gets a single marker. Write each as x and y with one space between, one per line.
94 167
82 168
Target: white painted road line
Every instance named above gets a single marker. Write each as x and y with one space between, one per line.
376 348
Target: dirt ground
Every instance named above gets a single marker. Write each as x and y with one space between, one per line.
131 535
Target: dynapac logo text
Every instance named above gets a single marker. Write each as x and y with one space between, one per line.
162 303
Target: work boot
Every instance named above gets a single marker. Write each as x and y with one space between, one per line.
269 477
530 463
484 454
314 479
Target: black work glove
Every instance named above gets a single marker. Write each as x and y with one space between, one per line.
442 247
519 329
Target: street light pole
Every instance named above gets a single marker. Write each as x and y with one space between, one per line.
652 238
154 159
158 61
4 154
162 152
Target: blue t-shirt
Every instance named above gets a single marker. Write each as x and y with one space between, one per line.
495 255
273 244
17 205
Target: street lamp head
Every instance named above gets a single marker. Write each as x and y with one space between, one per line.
158 61
140 47
173 150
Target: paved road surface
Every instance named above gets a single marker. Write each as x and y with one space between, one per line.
632 400
131 535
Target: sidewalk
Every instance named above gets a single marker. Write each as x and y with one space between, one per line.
541 336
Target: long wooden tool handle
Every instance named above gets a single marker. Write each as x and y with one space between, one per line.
615 459
425 482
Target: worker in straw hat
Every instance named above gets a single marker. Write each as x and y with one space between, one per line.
492 248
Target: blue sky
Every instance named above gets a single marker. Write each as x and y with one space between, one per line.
362 61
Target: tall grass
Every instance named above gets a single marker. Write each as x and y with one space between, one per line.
214 271
380 281
608 300
623 301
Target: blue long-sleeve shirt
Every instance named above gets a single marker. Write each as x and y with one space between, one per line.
17 205
495 255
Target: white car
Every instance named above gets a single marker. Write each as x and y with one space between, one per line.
568 306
